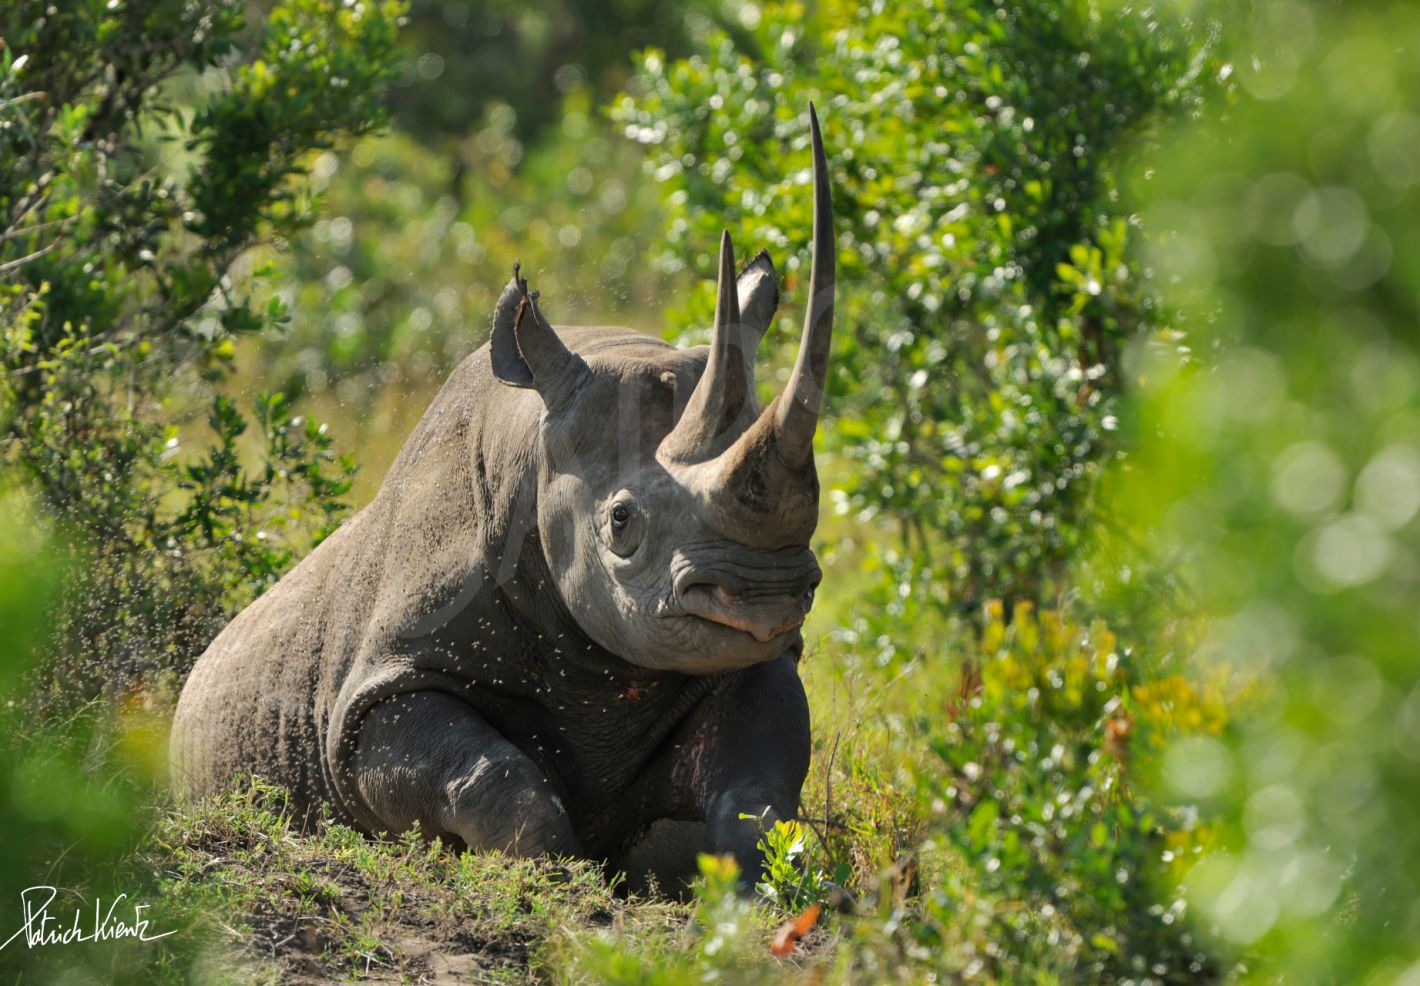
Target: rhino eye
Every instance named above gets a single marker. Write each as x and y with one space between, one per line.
625 525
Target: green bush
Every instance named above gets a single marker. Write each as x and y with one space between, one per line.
1280 471
987 276
1060 863
145 149
997 832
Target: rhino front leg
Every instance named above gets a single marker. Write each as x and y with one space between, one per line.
753 759
427 759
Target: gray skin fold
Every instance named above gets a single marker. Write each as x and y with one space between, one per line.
569 622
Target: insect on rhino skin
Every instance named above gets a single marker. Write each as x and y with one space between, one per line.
569 622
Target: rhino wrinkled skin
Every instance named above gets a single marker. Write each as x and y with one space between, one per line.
569 622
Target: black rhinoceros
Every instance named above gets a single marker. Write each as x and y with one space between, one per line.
569 622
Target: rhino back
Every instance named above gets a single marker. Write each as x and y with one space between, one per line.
247 706
280 691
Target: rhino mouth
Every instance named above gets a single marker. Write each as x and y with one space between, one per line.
765 597
763 619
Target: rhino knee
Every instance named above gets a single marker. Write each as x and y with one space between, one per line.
507 804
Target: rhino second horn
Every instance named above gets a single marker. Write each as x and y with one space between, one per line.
716 414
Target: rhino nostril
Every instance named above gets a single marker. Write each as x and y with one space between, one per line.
691 577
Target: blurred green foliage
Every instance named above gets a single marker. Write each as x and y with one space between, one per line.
146 148
1279 469
65 824
464 61
727 942
987 276
397 281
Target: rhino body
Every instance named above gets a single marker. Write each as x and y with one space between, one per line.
569 622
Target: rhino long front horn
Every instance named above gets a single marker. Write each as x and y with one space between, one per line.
776 453
797 409
762 484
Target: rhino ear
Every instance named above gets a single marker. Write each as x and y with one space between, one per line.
508 363
758 291
524 349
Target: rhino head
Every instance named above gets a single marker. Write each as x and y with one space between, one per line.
674 512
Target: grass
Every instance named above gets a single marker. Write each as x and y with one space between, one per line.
998 834
268 903
337 906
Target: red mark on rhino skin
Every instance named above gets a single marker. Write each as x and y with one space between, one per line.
695 756
633 693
